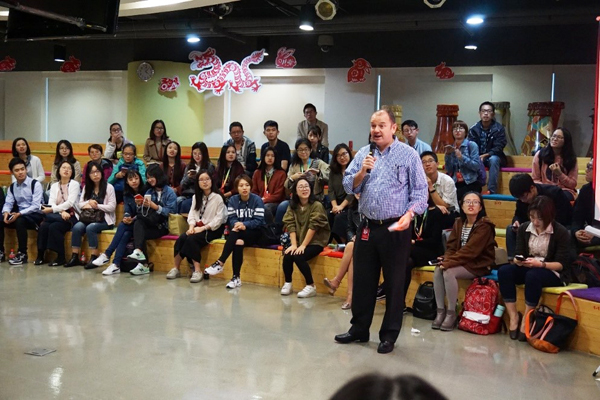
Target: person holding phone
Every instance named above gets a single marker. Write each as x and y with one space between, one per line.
462 161
199 160
128 162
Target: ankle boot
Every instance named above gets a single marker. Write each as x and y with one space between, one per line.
439 318
449 322
74 261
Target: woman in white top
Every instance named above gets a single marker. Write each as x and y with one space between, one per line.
97 196
60 215
35 170
64 152
206 222
115 143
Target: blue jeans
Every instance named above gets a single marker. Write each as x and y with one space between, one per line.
493 163
119 243
511 242
535 279
281 210
92 230
184 206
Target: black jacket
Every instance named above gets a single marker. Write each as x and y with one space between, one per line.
564 211
559 249
496 139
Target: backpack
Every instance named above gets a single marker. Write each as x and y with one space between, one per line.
12 191
585 269
480 302
424 304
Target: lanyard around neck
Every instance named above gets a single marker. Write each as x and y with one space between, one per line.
307 165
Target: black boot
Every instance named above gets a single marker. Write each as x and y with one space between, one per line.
40 257
74 261
90 265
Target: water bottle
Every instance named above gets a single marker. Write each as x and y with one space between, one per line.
351 145
226 231
12 254
499 311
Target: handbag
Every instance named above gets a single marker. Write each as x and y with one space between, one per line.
270 234
546 330
424 304
91 215
177 224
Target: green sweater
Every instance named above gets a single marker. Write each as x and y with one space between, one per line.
313 216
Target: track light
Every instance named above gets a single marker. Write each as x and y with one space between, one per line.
307 18
60 53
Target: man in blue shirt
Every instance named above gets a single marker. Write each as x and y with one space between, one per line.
392 185
410 130
21 211
271 131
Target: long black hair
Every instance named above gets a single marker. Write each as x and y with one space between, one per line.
177 170
276 164
334 165
222 164
199 193
295 158
156 172
152 135
60 165
89 184
70 158
481 213
14 147
204 163
569 159
295 200
128 190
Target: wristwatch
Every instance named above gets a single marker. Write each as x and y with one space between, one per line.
432 191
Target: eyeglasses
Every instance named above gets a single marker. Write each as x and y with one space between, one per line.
128 154
303 187
428 161
472 202
303 150
95 172
344 154
557 137
459 128
409 130
486 111
116 130
589 167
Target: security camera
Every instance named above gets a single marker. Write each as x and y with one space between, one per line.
325 43
434 3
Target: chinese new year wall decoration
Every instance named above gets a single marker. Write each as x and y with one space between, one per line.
360 67
285 58
443 72
8 64
217 76
72 65
168 84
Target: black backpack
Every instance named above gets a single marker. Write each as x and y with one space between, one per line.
424 305
585 269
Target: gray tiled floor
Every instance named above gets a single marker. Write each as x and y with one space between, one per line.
125 337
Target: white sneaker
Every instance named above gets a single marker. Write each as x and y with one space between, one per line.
286 290
137 255
214 269
173 273
234 282
196 277
308 291
140 269
101 260
111 270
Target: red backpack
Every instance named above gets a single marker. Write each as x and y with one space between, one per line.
480 303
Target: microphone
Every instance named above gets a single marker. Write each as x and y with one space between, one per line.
371 150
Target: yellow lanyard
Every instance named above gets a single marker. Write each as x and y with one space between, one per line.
307 165
266 185
226 178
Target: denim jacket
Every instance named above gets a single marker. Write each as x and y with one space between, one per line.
468 165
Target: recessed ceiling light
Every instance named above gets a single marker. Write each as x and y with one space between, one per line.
193 39
471 46
475 20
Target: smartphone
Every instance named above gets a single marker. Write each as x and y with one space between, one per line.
434 262
520 258
192 172
10 217
147 197
42 206
138 197
449 146
126 215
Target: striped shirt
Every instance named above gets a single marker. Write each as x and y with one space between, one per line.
396 184
464 235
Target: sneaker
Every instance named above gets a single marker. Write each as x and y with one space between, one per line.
137 255
173 273
111 270
308 291
286 290
101 260
380 293
234 282
19 259
140 269
214 269
196 277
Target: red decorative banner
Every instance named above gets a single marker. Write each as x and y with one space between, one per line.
443 72
72 65
285 58
217 76
8 64
360 67
168 84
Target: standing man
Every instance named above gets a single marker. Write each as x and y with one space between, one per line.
244 148
410 130
393 188
271 131
310 115
491 139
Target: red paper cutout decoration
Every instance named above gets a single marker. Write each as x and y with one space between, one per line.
285 58
72 65
443 72
218 76
8 64
168 84
357 71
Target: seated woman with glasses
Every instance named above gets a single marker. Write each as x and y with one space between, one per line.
156 144
543 250
128 162
556 164
469 253
462 161
341 201
115 143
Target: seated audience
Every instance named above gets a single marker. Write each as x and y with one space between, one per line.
60 215
583 212
152 218
490 137
556 164
310 119
245 217
469 253
341 201
64 152
96 213
317 150
525 190
134 186
442 192
227 171
128 162
543 250
199 160
462 161
410 130
245 150
35 170
105 165
309 231
156 144
268 182
173 166
206 222
20 209
271 131
115 143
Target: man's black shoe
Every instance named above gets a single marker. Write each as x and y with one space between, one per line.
380 293
385 347
350 337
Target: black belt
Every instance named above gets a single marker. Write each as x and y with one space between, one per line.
381 221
